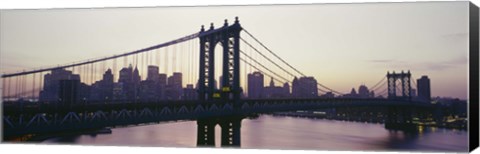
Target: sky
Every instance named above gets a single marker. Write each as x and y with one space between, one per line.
341 45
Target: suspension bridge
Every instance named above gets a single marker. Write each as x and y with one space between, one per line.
135 88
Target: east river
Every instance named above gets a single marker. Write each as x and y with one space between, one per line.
274 132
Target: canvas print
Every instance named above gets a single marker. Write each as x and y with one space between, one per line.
369 76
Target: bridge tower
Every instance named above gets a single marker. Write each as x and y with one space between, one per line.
399 118
229 37
404 78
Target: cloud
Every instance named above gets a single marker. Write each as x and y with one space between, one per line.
380 61
431 66
443 65
461 35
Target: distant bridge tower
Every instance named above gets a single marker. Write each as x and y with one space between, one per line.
405 87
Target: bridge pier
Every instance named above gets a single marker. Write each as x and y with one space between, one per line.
230 135
400 119
231 131
206 132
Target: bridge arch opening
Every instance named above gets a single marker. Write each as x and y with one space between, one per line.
218 136
219 56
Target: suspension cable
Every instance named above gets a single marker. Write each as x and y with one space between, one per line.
378 83
273 53
321 85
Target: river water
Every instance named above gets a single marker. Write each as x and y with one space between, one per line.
273 132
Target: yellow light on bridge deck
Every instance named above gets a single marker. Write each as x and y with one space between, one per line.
226 89
216 95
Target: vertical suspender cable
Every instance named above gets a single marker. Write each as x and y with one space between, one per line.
174 60
91 74
8 87
179 56
3 89
33 87
40 84
166 61
114 68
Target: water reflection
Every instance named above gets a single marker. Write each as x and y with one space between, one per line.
269 132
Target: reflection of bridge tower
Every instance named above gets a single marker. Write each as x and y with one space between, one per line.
229 37
404 79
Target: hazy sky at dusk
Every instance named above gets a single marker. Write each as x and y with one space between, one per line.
341 45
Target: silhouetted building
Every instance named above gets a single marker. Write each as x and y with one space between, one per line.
423 86
189 93
130 79
68 91
328 95
125 81
162 85
363 92
136 83
413 93
51 84
273 91
352 94
304 87
286 89
152 73
118 91
147 91
103 89
255 85
151 87
174 87
126 75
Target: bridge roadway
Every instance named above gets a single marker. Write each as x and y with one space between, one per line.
43 118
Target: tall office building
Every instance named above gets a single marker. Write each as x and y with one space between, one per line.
189 93
174 87
51 84
126 74
423 87
152 73
68 91
103 89
130 79
255 85
162 85
286 89
304 87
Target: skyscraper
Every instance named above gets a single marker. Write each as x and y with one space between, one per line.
130 79
255 85
174 86
162 85
68 91
152 73
189 93
423 87
103 89
125 74
304 87
286 89
136 76
51 82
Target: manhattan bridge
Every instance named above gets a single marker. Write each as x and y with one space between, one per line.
85 95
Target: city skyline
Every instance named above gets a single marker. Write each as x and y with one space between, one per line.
159 86
392 41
